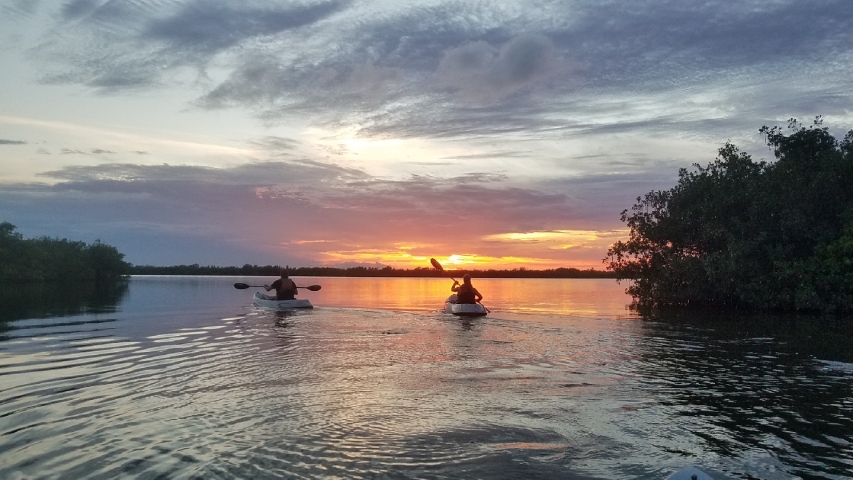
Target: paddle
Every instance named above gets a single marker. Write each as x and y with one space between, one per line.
243 286
438 267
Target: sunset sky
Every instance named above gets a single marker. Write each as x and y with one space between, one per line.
486 134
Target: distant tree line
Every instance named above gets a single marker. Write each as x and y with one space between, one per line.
47 259
746 234
274 271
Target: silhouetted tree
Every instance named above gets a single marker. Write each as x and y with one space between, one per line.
740 233
54 259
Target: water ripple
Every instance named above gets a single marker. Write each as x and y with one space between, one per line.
359 393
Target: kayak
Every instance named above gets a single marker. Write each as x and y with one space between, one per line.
267 301
463 309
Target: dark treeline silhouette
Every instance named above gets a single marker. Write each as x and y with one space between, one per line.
273 271
50 259
745 234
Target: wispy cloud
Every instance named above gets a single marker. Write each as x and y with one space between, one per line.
205 27
480 74
69 151
392 62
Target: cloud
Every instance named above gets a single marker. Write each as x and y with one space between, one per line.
94 151
598 101
20 8
12 142
275 89
126 45
261 81
207 27
369 82
480 74
78 8
69 151
224 209
507 68
305 172
276 145
575 240
490 155
297 211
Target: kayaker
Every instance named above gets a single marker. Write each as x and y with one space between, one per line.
466 293
284 287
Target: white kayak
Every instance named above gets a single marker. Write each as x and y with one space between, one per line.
268 301
464 309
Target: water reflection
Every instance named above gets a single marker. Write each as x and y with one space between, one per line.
193 381
826 337
750 387
466 324
282 318
579 297
45 300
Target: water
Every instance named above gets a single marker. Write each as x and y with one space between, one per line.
182 378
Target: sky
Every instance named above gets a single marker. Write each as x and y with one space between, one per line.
485 134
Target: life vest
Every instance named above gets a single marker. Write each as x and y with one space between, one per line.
285 290
465 294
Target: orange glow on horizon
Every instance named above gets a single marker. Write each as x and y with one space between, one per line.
305 242
575 237
394 258
404 260
536 250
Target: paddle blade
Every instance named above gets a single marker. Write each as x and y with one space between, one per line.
313 288
241 286
435 264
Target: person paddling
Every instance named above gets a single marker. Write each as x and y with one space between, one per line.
466 293
284 287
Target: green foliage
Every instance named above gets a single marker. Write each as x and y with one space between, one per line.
746 234
106 261
44 258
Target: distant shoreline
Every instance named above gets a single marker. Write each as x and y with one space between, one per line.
274 271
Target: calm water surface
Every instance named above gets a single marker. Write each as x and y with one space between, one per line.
181 377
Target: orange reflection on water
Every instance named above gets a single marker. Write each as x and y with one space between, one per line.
406 294
583 297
